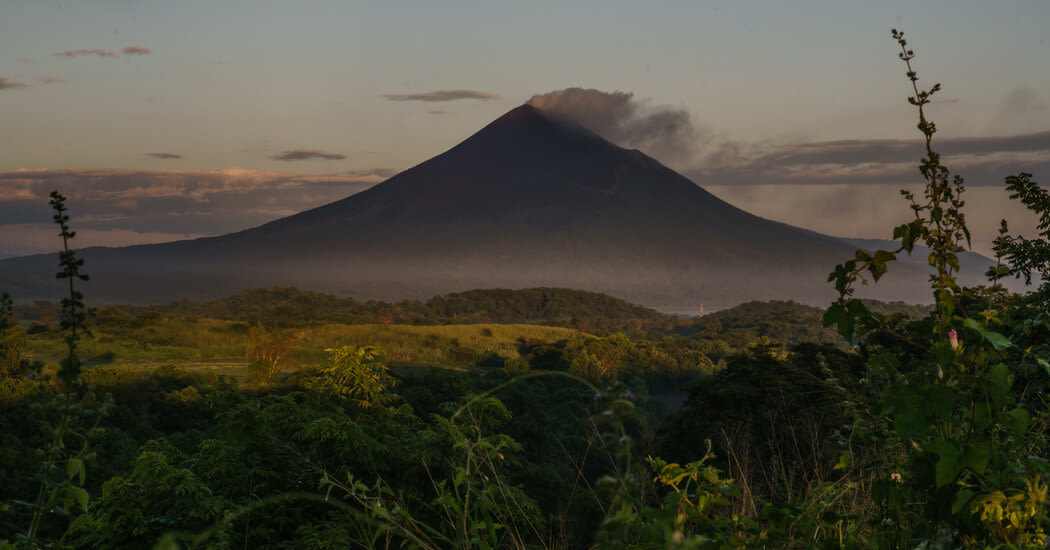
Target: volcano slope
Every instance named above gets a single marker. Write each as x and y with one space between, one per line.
527 201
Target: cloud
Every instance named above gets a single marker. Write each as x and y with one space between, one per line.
8 84
664 132
373 174
871 211
306 154
845 187
164 155
136 206
982 161
79 53
442 95
437 112
135 50
672 136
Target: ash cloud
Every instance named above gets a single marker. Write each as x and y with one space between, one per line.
443 95
136 50
661 131
164 155
306 154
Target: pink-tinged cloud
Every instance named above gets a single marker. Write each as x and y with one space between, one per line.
443 95
165 204
8 84
49 80
135 50
383 173
240 193
80 53
306 154
164 155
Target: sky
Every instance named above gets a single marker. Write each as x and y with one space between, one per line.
164 120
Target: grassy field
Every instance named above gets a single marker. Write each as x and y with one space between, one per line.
220 346
428 345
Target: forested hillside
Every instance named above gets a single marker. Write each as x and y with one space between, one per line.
293 307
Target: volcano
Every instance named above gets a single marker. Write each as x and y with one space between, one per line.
529 200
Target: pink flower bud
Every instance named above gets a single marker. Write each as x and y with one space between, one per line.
953 339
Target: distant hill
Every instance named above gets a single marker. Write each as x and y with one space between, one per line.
528 201
291 306
784 322
537 304
777 322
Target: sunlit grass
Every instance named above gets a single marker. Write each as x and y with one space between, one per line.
425 344
219 346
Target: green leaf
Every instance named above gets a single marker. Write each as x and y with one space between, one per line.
982 415
75 468
998 341
944 354
962 500
907 234
948 464
939 401
1001 380
977 456
834 314
838 315
877 269
904 403
844 460
878 263
945 303
1044 364
883 360
1018 420
81 496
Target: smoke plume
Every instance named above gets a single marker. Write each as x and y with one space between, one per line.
661 131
